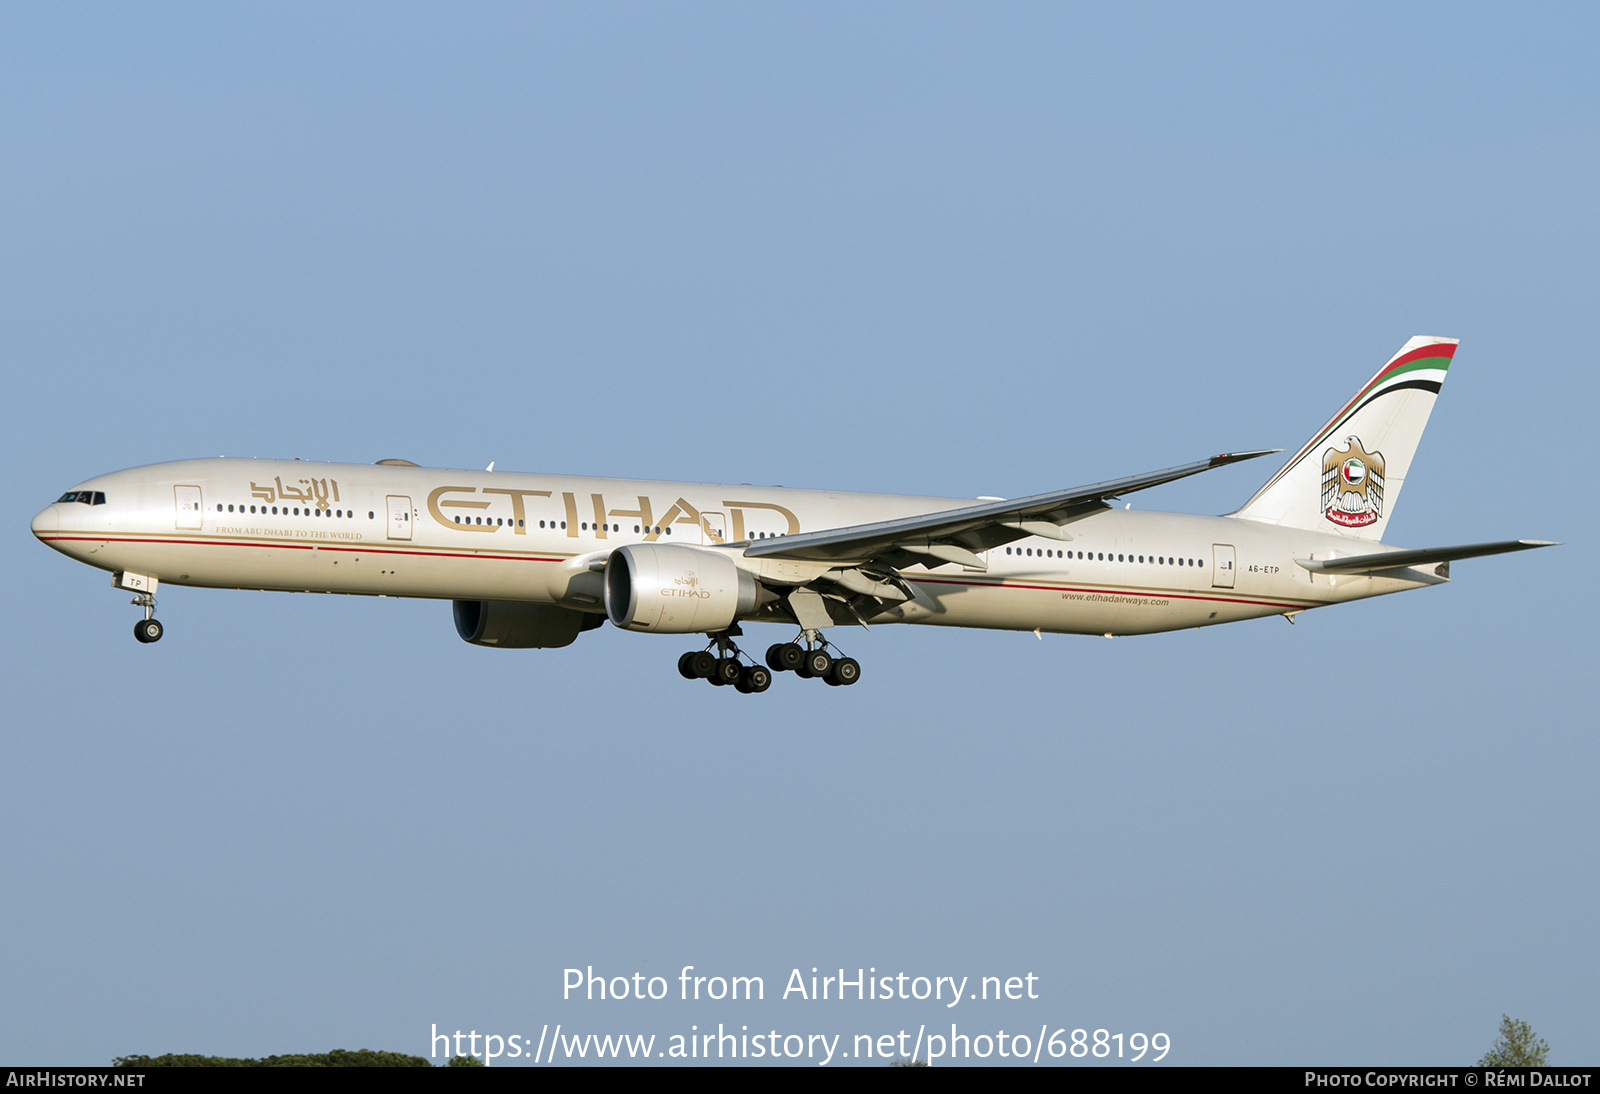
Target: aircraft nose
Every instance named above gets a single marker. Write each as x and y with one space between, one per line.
48 520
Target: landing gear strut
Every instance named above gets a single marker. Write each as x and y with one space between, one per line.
149 628
812 661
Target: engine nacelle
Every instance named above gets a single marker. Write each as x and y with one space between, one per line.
510 625
666 589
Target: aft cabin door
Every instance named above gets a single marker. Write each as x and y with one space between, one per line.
399 517
1222 565
187 499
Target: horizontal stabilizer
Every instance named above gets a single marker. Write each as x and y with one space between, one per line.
1390 560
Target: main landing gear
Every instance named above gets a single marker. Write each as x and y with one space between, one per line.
724 668
806 657
149 628
813 662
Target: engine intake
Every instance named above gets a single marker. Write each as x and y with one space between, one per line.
510 625
666 589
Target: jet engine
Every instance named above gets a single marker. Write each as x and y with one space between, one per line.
510 625
667 589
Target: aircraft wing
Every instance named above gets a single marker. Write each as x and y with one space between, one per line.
1389 560
957 535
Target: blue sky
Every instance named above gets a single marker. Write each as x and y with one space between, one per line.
946 250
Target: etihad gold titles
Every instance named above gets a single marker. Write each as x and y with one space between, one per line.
533 561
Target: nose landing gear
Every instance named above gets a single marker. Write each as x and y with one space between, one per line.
149 628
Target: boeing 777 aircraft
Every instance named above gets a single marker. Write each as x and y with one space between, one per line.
533 561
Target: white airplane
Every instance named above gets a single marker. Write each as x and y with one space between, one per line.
533 561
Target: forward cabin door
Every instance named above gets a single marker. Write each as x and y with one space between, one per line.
187 499
1222 565
399 516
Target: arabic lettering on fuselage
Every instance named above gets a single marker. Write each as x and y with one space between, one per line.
319 489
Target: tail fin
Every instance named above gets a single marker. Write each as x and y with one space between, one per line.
1348 476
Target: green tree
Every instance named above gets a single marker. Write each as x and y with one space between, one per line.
337 1058
1517 1046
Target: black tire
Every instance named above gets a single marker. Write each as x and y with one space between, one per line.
791 656
845 671
817 664
775 657
686 666
741 685
728 671
147 630
704 664
830 681
756 680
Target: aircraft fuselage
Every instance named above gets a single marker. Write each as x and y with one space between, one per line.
494 536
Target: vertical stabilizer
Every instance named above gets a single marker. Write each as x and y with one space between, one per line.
1348 476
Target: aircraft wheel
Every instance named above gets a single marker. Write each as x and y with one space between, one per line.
816 664
686 666
792 656
704 664
147 630
845 671
775 657
741 685
756 680
727 671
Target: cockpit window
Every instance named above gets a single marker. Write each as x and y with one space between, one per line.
87 497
